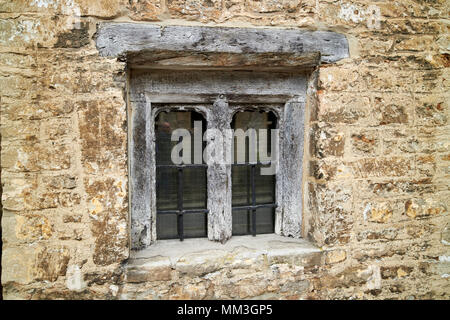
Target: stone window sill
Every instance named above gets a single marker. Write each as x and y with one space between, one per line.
200 257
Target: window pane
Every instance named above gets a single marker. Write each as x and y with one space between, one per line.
241 175
241 222
265 221
241 188
194 225
169 179
166 226
264 187
256 120
166 188
194 188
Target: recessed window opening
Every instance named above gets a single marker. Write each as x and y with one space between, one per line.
253 194
186 189
181 192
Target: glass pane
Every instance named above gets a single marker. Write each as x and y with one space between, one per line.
264 187
241 188
194 188
193 192
194 225
265 220
242 178
256 120
166 226
166 188
241 222
166 123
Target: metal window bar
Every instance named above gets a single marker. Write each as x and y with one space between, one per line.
180 211
253 206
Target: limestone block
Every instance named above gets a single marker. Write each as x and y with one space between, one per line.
146 10
158 269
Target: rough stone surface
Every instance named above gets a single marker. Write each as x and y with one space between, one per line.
376 164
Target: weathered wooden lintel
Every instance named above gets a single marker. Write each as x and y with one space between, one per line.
210 98
144 45
189 60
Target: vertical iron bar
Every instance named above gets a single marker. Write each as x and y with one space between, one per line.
249 195
180 204
252 177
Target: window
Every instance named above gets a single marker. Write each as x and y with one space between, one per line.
215 67
253 193
180 189
218 200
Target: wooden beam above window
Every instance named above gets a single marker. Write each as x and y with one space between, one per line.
194 47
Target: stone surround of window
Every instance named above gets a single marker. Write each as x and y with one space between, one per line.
216 70
199 257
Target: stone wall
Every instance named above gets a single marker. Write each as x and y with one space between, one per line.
378 184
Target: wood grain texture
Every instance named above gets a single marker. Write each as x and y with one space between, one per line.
219 174
200 83
142 173
191 60
127 39
291 171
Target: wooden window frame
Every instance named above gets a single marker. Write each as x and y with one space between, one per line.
147 101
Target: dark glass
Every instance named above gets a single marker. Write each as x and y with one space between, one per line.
195 225
265 220
241 175
178 189
194 188
241 222
241 188
166 188
166 226
265 187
